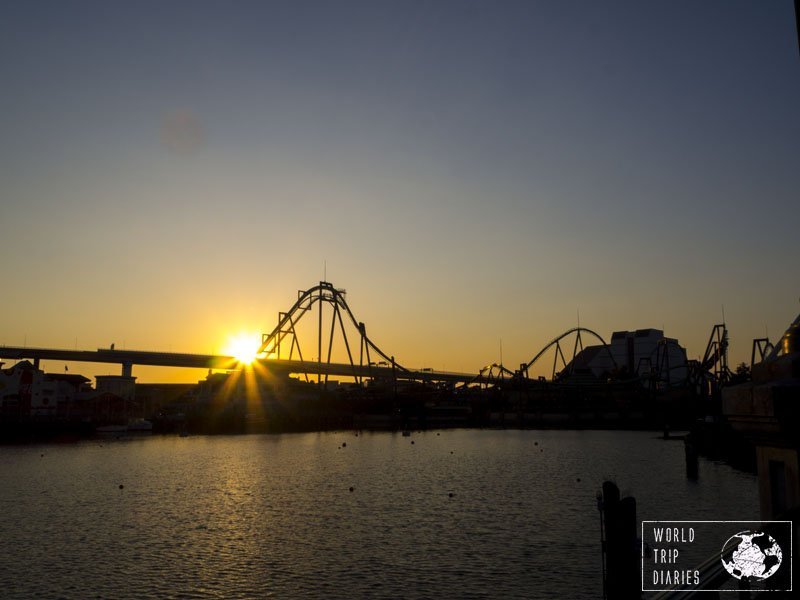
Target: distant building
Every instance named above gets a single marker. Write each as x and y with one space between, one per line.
153 397
235 390
104 408
123 386
28 392
70 389
641 352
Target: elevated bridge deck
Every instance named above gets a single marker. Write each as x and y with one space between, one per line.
128 358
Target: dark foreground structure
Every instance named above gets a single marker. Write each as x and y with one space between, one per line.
766 411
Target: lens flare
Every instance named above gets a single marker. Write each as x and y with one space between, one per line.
243 347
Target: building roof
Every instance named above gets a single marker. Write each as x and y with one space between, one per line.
74 379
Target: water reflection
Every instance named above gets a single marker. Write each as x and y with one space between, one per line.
456 514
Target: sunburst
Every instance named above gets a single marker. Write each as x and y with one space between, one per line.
243 347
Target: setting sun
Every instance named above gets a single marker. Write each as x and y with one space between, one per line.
243 347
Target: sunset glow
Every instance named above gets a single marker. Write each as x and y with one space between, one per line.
243 347
367 298
568 159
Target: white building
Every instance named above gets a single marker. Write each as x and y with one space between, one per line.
639 352
26 391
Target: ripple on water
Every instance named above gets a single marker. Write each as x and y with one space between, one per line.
261 516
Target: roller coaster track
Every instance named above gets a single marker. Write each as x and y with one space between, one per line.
273 344
497 374
659 371
285 331
559 353
280 351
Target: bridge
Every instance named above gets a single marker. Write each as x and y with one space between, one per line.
128 358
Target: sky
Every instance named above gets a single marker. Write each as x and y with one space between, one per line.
477 175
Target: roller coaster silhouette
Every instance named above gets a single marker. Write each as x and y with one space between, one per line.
281 352
362 352
274 346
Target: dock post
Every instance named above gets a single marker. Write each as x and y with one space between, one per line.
692 462
622 560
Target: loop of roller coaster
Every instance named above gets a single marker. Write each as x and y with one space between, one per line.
578 342
323 292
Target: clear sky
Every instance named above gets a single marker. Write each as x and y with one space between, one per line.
171 173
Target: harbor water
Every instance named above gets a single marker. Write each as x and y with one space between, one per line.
449 514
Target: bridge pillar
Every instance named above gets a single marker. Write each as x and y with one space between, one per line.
36 363
127 369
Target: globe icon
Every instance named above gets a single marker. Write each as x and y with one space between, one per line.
751 555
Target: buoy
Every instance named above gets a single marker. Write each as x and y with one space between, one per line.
535 443
42 455
121 486
451 451
450 495
351 488
578 479
344 444
412 441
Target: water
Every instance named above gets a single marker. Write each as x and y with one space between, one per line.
273 515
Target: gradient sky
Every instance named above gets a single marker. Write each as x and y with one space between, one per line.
171 173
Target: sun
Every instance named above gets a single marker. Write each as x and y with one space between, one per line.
243 347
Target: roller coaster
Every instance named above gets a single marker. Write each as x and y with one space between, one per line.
577 346
283 345
286 332
281 351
